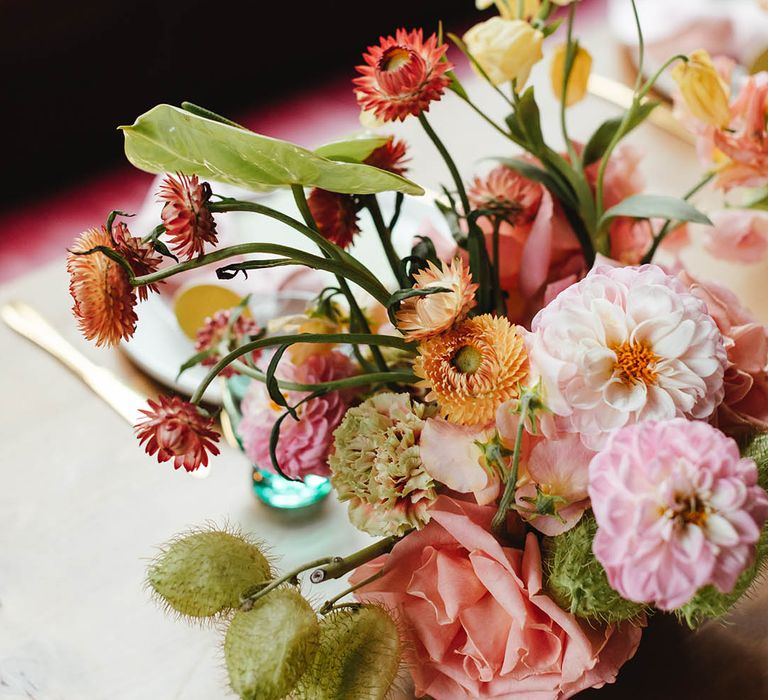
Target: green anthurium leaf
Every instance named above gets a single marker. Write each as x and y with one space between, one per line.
599 141
169 139
652 206
351 150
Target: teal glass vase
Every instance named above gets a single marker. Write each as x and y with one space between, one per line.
268 486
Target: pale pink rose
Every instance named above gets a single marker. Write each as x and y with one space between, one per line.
738 235
745 405
624 345
560 469
477 621
677 508
304 445
451 456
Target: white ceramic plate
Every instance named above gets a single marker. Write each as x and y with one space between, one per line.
159 347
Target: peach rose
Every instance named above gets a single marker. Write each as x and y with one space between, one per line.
477 619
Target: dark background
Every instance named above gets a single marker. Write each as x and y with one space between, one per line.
73 71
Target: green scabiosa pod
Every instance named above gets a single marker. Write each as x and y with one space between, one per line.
270 646
358 657
201 574
756 448
576 581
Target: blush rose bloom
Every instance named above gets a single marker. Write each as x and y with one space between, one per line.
477 621
738 235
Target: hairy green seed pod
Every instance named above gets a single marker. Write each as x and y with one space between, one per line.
270 646
205 573
576 581
756 448
358 658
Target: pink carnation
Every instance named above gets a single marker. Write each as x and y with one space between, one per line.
739 235
477 621
745 405
624 345
677 508
304 444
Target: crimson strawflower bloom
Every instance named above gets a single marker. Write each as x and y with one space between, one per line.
389 156
188 222
178 430
140 256
335 215
402 75
216 333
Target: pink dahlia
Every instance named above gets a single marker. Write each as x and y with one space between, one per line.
402 75
178 430
477 620
218 336
188 222
625 345
677 508
304 445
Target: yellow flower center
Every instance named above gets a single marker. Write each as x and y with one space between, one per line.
395 58
467 360
635 362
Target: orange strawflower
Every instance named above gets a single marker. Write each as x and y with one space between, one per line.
178 430
472 369
188 223
140 256
103 295
421 317
402 75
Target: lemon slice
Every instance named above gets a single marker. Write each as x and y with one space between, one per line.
192 305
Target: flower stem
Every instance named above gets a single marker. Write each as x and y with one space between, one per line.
500 519
330 605
385 236
448 161
252 596
501 306
569 59
669 224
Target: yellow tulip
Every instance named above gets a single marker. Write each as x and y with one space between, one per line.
508 9
703 90
506 49
577 81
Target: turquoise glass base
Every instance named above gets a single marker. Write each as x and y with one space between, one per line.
270 488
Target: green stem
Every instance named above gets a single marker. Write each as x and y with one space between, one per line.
340 566
498 524
330 605
501 306
385 236
640 47
669 224
336 385
341 338
251 597
487 118
448 161
652 80
569 60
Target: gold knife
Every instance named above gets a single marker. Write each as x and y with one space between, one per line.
28 323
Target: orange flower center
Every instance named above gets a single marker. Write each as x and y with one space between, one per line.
635 362
394 58
694 512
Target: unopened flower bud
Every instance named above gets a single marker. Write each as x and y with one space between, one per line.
703 89
577 80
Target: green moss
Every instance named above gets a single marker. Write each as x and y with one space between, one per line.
269 647
204 573
358 657
577 581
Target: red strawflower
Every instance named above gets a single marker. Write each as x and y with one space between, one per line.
140 256
188 223
101 289
179 430
508 194
216 332
402 75
389 156
335 215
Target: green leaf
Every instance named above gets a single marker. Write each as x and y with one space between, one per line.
169 139
599 141
651 206
196 359
529 120
760 201
537 174
351 150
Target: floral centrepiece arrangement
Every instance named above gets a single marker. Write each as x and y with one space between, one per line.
553 432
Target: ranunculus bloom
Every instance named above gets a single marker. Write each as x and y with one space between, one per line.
304 445
178 430
402 75
702 88
421 317
624 345
477 621
677 508
577 82
188 223
452 456
738 235
745 404
506 49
